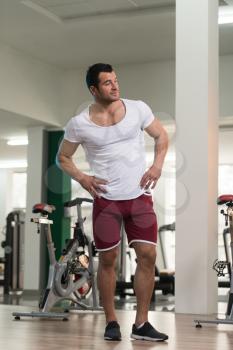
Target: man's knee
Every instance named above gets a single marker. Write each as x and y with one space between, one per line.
108 258
146 255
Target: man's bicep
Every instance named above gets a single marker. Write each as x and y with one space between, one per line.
155 128
67 148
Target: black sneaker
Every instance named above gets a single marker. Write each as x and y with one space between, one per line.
112 331
147 332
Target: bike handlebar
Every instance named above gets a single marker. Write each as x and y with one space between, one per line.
77 201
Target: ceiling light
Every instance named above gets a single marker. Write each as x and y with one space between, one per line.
17 142
225 15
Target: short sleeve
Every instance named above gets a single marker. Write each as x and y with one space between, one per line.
71 133
146 114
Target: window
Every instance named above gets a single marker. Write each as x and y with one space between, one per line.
19 190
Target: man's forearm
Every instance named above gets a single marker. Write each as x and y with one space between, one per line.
67 165
161 146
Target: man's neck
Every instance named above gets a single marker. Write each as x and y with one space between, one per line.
106 107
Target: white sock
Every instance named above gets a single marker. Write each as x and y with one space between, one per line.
141 325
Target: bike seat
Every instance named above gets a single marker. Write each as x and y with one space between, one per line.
43 208
225 199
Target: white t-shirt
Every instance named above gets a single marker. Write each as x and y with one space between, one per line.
115 153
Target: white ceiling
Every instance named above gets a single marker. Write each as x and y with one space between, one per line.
76 33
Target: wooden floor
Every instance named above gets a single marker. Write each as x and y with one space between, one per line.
84 331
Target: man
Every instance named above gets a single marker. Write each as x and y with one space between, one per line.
111 132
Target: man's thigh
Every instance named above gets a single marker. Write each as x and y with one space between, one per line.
107 221
141 224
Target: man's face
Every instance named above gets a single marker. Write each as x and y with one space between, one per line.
108 87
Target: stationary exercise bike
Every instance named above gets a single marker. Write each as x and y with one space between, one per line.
72 276
228 215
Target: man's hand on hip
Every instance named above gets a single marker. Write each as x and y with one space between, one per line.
150 177
93 185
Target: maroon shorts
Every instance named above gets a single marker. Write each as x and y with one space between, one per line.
137 215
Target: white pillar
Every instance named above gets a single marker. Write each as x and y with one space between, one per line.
35 160
197 146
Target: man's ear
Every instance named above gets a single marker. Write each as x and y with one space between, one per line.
92 90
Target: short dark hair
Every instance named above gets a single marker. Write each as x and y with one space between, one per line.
92 76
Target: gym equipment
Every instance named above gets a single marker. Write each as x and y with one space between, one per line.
165 278
72 276
13 253
220 266
226 232
228 215
162 229
2 259
226 283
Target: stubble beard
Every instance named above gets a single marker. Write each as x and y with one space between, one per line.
109 99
